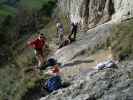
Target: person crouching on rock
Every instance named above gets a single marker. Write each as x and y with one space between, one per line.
38 45
54 82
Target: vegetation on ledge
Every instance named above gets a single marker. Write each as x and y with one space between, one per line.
121 40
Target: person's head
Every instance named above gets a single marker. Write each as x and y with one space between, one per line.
72 23
56 65
51 62
41 36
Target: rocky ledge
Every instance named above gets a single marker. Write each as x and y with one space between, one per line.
107 84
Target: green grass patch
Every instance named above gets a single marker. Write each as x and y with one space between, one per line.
7 10
34 4
14 80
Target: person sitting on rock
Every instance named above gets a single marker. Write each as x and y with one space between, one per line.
54 82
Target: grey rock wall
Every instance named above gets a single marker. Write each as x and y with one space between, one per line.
85 42
91 13
100 14
94 12
123 10
71 8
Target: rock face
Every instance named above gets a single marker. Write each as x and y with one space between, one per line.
91 13
107 84
71 8
123 10
96 14
85 43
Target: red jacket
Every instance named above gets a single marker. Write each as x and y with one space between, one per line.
56 69
37 44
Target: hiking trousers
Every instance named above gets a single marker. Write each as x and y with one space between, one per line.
40 56
73 32
61 38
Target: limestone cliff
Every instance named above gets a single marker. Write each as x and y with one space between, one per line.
100 14
91 13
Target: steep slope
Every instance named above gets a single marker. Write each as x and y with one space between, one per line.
100 15
15 56
85 43
107 84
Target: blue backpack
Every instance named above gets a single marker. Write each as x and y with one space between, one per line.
54 83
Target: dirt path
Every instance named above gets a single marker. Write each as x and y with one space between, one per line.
86 65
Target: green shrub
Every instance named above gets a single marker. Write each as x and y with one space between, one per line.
47 7
14 80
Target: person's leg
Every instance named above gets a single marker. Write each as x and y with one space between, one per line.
37 57
42 57
70 35
43 61
61 39
57 31
39 61
35 68
75 32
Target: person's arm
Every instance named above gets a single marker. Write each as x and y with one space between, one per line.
57 28
54 71
50 72
31 43
46 43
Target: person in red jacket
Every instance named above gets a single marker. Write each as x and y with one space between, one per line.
39 44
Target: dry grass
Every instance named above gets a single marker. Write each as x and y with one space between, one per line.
121 40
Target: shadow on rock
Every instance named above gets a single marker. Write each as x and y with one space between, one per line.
77 62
